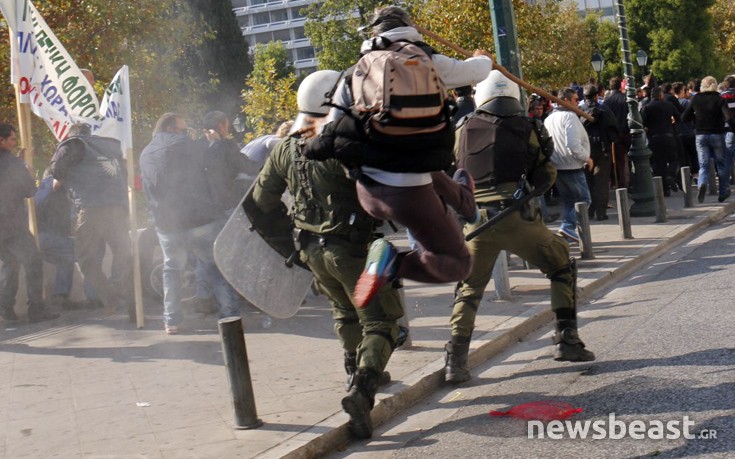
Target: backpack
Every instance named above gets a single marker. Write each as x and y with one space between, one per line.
398 93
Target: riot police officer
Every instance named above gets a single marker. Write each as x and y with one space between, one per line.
507 153
332 233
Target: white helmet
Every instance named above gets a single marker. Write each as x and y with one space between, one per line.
312 96
496 85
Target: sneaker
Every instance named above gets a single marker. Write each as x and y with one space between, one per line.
380 268
724 196
569 235
172 329
701 193
464 179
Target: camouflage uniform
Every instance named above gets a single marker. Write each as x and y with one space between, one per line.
334 235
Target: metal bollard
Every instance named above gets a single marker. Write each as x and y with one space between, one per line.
712 178
659 204
501 277
686 186
621 195
236 362
583 229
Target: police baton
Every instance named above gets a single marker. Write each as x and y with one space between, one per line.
515 206
507 74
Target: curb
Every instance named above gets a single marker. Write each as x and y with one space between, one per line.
430 378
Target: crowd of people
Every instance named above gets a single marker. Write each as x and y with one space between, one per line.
685 125
347 167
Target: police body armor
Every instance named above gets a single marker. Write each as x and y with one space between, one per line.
495 149
325 202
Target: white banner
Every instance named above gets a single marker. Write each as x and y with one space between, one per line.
50 81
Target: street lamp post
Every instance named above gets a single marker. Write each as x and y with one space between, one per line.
641 177
642 58
238 124
598 62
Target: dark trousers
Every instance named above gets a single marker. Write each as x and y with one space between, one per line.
664 158
622 169
97 227
20 249
441 254
598 178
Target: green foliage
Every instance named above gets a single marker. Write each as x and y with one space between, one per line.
677 35
723 17
220 64
271 95
545 33
153 39
332 28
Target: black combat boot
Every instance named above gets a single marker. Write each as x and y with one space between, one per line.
351 368
359 402
569 347
456 360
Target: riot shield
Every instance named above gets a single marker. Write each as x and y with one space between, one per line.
256 270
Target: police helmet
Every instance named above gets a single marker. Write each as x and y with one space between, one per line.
313 96
500 92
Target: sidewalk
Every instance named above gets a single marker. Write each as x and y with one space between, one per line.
89 386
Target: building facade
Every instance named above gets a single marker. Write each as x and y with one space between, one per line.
606 8
263 21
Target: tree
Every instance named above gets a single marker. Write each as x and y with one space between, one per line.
270 98
150 37
545 32
723 17
332 28
219 64
677 35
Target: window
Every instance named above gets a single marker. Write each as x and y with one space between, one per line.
279 15
262 38
283 35
296 13
258 2
298 33
305 53
261 18
239 3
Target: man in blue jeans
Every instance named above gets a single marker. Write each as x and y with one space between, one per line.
571 155
186 219
710 114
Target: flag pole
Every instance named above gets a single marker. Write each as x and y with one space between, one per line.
26 142
130 161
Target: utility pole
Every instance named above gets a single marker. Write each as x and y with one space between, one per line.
506 37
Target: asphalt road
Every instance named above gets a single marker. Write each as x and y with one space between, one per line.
665 345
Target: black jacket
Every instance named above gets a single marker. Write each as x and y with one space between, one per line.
615 101
222 164
16 184
709 112
93 168
657 116
174 183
